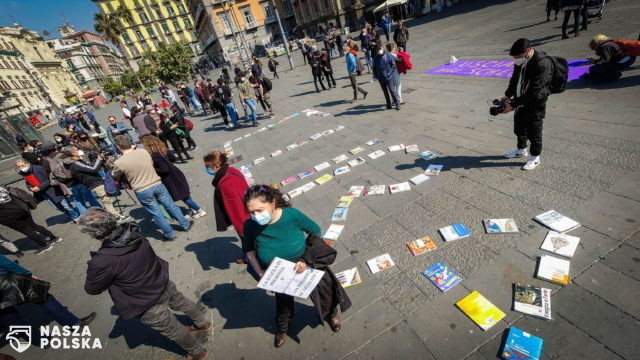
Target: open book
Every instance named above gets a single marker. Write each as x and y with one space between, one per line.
281 277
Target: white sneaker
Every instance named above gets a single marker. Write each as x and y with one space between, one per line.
199 214
532 163
228 127
516 153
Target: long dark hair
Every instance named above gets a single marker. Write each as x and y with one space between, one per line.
266 194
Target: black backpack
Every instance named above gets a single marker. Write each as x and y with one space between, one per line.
560 74
267 83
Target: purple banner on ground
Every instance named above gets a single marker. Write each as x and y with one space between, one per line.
498 68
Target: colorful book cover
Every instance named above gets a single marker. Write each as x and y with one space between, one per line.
556 221
288 180
315 136
295 192
349 277
380 263
376 154
532 300
419 179
339 158
521 345
333 232
433 170
561 244
302 142
258 160
441 276
359 149
328 132
340 127
355 191
323 179
306 173
339 214
428 155
396 147
421 246
553 269
341 170
355 162
375 190
344 202
373 142
308 186
396 188
500 226
411 149
291 147
454 232
276 153
322 166
480 310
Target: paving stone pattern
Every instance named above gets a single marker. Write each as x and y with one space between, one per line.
589 172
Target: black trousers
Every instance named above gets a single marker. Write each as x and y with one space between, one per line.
553 5
223 112
317 77
328 74
187 136
576 19
284 311
33 231
528 127
585 17
354 85
178 147
389 87
275 74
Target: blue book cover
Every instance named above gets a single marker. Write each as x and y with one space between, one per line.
521 345
441 276
461 230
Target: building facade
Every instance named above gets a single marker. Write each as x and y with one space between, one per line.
81 62
49 74
109 61
154 22
343 13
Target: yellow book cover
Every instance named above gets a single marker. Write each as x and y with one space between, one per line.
480 310
323 179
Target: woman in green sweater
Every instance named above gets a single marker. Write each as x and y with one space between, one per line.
275 230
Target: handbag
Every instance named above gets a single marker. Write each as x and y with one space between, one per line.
17 289
188 124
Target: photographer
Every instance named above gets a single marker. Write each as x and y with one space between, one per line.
527 95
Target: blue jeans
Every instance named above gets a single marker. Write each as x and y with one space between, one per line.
64 206
191 204
59 312
158 194
233 114
82 195
251 103
194 103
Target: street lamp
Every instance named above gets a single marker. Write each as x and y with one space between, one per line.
232 22
284 37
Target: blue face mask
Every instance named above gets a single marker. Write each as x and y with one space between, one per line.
208 171
262 218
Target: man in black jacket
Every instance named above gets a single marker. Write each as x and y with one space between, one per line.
527 95
138 281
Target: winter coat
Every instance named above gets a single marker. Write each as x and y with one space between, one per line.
401 35
352 65
18 287
40 174
172 178
129 269
84 173
229 205
329 292
609 52
404 62
383 66
535 85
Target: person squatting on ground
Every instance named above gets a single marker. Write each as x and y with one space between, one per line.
610 61
352 70
527 94
138 281
137 166
384 66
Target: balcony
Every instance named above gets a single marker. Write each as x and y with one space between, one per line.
251 25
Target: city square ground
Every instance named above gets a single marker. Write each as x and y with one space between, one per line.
589 172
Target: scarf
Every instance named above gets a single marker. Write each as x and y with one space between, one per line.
222 218
5 197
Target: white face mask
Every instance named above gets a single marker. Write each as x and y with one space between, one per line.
24 169
380 51
520 61
80 153
243 79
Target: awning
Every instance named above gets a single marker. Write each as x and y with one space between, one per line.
389 3
89 93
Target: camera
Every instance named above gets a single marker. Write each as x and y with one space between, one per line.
499 106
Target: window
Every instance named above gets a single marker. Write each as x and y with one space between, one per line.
187 23
165 28
170 10
268 12
126 38
150 31
143 17
248 17
181 9
158 12
286 4
134 51
224 20
145 46
139 35
176 25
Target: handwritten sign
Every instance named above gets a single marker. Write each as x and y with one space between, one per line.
498 68
281 277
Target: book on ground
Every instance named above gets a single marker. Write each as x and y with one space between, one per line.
553 269
396 188
340 158
340 127
375 190
339 214
355 191
556 221
498 226
276 153
306 173
376 154
315 136
344 201
480 310
433 170
328 132
532 300
295 192
341 170
355 162
441 276
323 179
349 277
421 246
454 232
396 147
380 263
281 277
258 160
419 179
322 166
373 142
302 142
308 186
354 151
428 155
561 244
521 345
291 147
411 149
288 180
333 232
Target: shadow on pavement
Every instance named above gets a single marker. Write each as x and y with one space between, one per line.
361 109
135 334
145 221
333 103
463 162
623 82
526 26
58 219
305 93
216 253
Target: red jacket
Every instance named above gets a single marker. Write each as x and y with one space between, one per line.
404 62
232 186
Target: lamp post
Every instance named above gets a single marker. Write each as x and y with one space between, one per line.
232 24
284 37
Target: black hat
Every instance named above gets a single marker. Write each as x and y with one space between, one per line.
48 146
519 46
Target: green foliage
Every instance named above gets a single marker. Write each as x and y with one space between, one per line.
113 87
171 62
147 74
129 80
108 26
